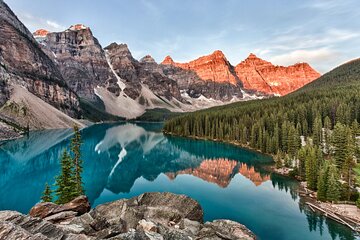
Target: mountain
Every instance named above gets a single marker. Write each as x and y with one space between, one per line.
251 75
26 69
81 60
263 76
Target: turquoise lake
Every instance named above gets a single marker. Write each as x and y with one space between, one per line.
125 160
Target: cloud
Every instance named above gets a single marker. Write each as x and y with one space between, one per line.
33 23
314 57
311 40
327 5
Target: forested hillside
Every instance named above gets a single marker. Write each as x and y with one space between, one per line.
312 130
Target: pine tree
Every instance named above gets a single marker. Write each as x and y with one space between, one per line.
317 131
327 134
65 183
333 184
77 161
323 181
301 163
311 165
46 196
339 144
278 160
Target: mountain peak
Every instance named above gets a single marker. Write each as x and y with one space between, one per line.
252 56
258 74
147 59
77 27
40 33
218 54
168 60
213 67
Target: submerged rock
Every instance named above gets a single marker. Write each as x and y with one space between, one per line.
148 216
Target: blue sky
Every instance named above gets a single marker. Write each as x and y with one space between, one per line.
324 33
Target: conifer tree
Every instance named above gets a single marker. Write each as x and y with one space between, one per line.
311 165
278 160
339 143
333 184
317 131
77 161
327 134
65 181
301 163
47 194
323 182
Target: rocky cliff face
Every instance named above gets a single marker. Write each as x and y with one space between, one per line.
214 67
81 60
146 71
252 75
263 76
23 63
210 76
149 216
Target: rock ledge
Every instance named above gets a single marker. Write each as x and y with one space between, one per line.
150 216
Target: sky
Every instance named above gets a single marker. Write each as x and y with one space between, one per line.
324 33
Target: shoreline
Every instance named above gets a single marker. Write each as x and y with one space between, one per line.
333 211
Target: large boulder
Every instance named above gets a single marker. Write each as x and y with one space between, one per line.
76 207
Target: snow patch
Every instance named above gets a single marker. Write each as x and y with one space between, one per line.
120 82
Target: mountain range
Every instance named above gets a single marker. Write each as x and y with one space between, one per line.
70 75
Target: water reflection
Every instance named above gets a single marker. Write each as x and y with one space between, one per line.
221 171
126 160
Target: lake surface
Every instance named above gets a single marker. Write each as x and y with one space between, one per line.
125 160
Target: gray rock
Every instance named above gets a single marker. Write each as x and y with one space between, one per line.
81 61
225 229
61 216
146 71
189 226
150 216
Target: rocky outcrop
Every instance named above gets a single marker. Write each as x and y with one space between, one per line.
81 61
149 216
40 33
135 73
260 75
79 205
214 67
23 63
210 76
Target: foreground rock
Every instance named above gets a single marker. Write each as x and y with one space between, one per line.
149 216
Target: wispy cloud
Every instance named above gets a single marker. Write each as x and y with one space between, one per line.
326 5
321 49
315 55
33 23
